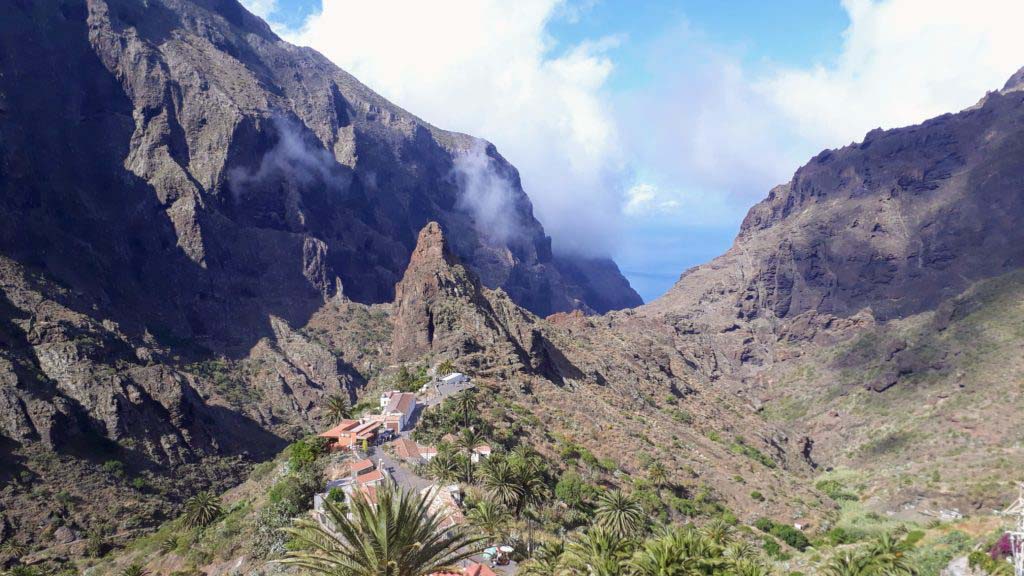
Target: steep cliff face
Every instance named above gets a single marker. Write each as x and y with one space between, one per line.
895 224
178 161
870 304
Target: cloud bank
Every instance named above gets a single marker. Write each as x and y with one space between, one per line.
487 195
610 165
488 68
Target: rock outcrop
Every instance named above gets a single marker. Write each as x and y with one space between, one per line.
237 177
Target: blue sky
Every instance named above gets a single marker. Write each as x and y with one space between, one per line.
646 130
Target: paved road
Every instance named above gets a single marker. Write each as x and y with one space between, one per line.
400 473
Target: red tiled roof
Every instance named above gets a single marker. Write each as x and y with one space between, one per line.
372 476
345 426
482 449
402 403
360 466
406 448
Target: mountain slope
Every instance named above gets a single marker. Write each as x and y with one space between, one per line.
237 176
870 305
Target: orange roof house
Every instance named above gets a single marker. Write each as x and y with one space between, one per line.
342 434
407 449
366 431
371 478
360 467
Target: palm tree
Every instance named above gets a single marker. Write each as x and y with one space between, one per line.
468 441
465 403
202 510
546 561
168 545
888 553
718 531
444 467
741 550
490 518
746 567
619 514
849 564
657 474
399 536
134 570
445 368
337 407
596 552
657 557
503 483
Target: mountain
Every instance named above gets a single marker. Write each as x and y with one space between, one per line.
184 200
193 174
207 232
873 304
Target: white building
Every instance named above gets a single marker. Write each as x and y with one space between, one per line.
448 385
397 409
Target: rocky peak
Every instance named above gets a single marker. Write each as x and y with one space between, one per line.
431 249
1016 82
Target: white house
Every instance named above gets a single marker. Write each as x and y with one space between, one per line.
481 451
398 410
451 384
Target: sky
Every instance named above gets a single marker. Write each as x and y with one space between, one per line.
645 131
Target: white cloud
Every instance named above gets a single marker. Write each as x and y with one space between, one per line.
903 61
261 8
488 68
711 129
647 199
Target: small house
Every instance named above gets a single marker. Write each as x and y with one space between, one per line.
399 411
481 451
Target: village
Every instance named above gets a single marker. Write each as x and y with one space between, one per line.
379 448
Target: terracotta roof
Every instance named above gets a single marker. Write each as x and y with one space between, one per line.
360 466
478 570
372 476
368 426
424 450
482 449
345 426
406 448
402 403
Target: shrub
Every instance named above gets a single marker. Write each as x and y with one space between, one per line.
304 453
755 495
791 536
114 468
773 549
835 490
295 491
571 489
784 532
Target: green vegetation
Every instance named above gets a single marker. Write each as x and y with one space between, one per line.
413 544
411 380
201 510
887 555
740 446
680 550
619 514
337 407
788 534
